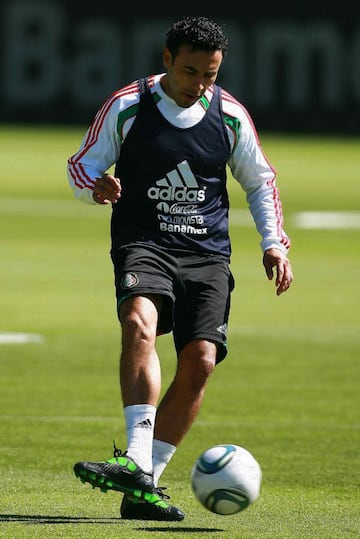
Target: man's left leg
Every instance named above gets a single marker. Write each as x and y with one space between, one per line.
176 413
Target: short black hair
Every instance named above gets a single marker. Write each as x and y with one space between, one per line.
200 33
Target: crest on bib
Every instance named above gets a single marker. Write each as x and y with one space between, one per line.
129 280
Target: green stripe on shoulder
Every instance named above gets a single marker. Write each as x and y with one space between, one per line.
204 102
234 124
124 116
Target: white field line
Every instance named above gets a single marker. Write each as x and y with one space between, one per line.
32 207
301 333
20 338
51 419
325 220
238 217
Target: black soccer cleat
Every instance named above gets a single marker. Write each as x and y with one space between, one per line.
119 473
150 507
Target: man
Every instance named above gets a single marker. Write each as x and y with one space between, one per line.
170 137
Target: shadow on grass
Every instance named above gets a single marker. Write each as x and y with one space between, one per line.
181 530
47 519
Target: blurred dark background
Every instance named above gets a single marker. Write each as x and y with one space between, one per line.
61 59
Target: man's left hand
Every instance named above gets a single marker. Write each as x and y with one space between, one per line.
274 258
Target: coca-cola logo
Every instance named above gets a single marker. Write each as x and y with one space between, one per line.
183 209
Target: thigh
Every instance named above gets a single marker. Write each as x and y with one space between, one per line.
143 271
202 303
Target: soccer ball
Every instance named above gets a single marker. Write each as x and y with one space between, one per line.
226 479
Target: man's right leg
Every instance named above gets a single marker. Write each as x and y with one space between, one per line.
131 471
140 379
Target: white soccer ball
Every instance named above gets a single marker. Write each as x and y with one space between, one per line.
226 479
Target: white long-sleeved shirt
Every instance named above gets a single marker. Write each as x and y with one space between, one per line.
101 145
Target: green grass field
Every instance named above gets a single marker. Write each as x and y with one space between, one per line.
288 391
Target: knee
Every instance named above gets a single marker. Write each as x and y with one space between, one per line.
138 318
199 359
134 326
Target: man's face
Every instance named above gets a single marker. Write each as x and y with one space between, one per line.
190 74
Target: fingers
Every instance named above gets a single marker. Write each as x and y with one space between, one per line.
107 189
268 268
284 276
273 258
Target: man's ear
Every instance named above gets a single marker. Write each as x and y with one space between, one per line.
167 58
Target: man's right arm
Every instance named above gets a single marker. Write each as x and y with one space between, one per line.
99 150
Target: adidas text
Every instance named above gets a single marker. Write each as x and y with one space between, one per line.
180 194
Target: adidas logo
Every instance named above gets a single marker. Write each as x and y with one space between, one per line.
146 424
178 185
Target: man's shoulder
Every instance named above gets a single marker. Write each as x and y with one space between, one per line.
124 97
232 105
129 95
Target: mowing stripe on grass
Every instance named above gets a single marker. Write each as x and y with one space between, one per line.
320 334
330 424
238 217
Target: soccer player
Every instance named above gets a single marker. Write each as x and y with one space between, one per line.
171 136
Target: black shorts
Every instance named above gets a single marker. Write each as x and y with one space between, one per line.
196 289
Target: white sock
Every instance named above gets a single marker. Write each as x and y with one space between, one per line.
140 421
162 454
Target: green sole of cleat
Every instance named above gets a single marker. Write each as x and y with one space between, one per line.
105 485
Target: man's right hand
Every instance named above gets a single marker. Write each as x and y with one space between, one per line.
107 189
